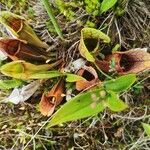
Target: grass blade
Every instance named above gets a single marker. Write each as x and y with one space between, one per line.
48 8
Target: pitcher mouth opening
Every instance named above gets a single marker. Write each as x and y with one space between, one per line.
126 62
88 76
91 44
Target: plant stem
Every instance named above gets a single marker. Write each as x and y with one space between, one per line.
48 8
109 77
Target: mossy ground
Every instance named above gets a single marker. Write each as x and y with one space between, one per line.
23 127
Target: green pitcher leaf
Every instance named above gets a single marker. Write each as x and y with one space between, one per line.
9 84
45 75
114 103
81 106
146 128
120 84
19 28
23 70
107 4
89 42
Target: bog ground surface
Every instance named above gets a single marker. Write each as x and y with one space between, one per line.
128 25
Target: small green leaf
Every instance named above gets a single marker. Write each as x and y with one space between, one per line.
107 4
9 84
120 84
79 107
116 48
114 103
146 128
73 77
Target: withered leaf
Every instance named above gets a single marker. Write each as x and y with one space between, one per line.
22 94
